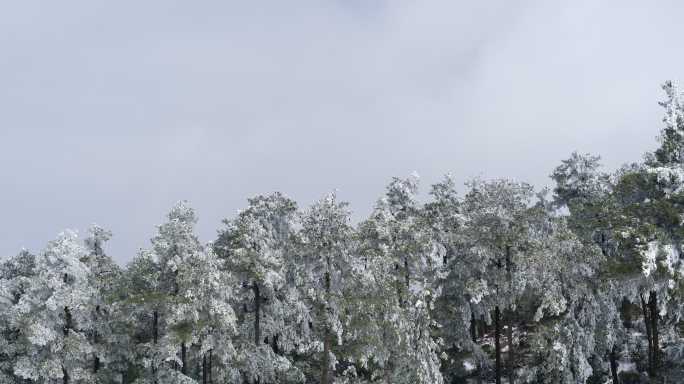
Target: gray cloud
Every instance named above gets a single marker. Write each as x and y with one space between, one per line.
111 111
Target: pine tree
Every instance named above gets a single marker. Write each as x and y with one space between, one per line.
16 276
325 251
54 314
257 247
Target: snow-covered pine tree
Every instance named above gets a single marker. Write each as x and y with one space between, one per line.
325 267
16 276
53 315
499 215
257 247
405 265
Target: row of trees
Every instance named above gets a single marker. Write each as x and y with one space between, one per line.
502 284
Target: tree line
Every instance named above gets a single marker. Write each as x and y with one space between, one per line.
502 283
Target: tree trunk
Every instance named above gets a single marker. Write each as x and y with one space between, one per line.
509 331
257 314
67 327
204 369
649 335
473 328
497 343
67 321
184 363
653 303
408 275
614 366
96 358
325 363
155 339
483 326
511 356
211 355
274 344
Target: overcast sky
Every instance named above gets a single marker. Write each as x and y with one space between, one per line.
110 111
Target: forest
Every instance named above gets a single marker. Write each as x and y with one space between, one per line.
581 282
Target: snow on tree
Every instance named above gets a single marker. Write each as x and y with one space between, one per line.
324 269
53 315
500 216
108 337
16 276
500 285
166 283
406 266
257 247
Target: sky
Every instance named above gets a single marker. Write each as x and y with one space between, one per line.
111 111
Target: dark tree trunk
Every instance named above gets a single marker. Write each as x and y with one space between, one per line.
155 327
509 331
614 365
511 354
325 363
497 343
211 355
204 369
67 321
67 327
649 334
408 274
257 314
625 310
184 363
653 303
96 358
483 326
155 339
473 328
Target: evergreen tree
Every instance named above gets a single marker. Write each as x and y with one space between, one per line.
258 249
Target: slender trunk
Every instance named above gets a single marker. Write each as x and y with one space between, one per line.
408 275
274 344
257 314
155 339
614 365
473 328
653 303
67 327
67 321
479 373
155 327
497 343
96 359
649 336
184 364
204 369
325 364
509 331
511 355
211 355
